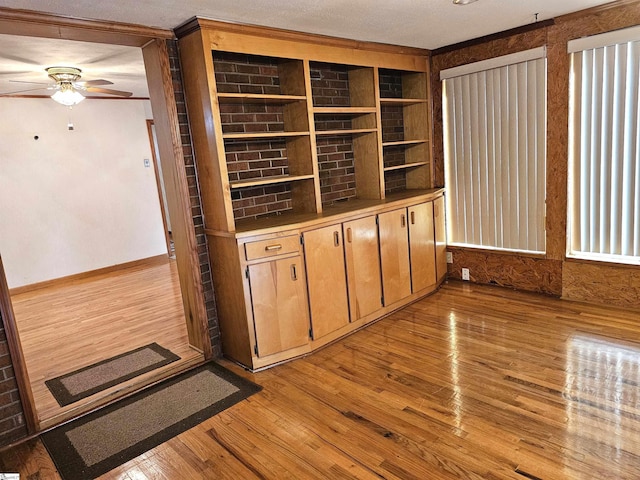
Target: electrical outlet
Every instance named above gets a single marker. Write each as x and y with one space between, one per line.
147 163
449 257
465 274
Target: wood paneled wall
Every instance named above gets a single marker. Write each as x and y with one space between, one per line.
585 281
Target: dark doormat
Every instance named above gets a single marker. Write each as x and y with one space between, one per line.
103 440
73 386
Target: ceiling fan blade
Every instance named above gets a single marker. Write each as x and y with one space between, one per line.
8 94
15 72
35 83
91 83
108 91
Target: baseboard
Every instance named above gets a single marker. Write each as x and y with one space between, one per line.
143 262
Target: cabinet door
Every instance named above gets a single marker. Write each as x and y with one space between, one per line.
279 301
394 255
422 246
441 237
326 279
363 266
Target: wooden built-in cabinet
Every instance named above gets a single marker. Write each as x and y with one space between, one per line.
310 151
362 255
327 282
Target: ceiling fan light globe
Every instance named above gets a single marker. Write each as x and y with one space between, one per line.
67 97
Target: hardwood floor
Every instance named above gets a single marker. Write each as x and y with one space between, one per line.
67 326
474 382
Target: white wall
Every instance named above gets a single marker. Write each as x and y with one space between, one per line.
75 201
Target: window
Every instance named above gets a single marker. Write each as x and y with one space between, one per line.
495 152
604 148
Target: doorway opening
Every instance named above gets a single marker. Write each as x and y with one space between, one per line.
89 267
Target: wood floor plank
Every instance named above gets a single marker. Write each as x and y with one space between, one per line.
66 326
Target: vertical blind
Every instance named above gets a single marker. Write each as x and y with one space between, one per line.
604 148
495 152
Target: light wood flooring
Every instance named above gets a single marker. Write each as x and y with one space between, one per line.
67 326
474 382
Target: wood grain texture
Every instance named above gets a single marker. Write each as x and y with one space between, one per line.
606 284
474 382
36 24
508 270
422 246
326 279
92 319
280 307
394 255
163 104
363 266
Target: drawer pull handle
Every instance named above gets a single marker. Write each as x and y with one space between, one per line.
349 239
336 239
273 248
294 273
413 218
403 220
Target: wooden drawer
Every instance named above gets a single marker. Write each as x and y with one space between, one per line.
272 247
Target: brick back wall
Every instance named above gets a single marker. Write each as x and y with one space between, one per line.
256 202
330 87
260 158
194 195
12 426
238 73
329 84
395 181
392 124
336 169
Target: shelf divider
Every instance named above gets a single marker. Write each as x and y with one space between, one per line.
259 98
257 182
246 136
405 166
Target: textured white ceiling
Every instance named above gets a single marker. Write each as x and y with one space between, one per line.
419 23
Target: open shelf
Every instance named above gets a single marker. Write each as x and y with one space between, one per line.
401 101
405 166
352 131
245 136
256 182
257 98
344 110
404 142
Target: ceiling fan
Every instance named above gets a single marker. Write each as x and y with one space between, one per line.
68 88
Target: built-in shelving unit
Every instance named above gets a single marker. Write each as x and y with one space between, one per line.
298 130
303 144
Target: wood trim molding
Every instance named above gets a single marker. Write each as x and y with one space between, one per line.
15 351
157 260
198 23
37 24
494 36
163 104
596 10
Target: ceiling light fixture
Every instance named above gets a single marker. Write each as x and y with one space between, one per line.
66 94
463 2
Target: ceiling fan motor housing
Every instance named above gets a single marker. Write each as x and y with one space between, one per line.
64 74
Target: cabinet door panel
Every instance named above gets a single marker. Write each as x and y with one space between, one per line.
279 299
394 255
422 246
326 279
363 266
441 237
